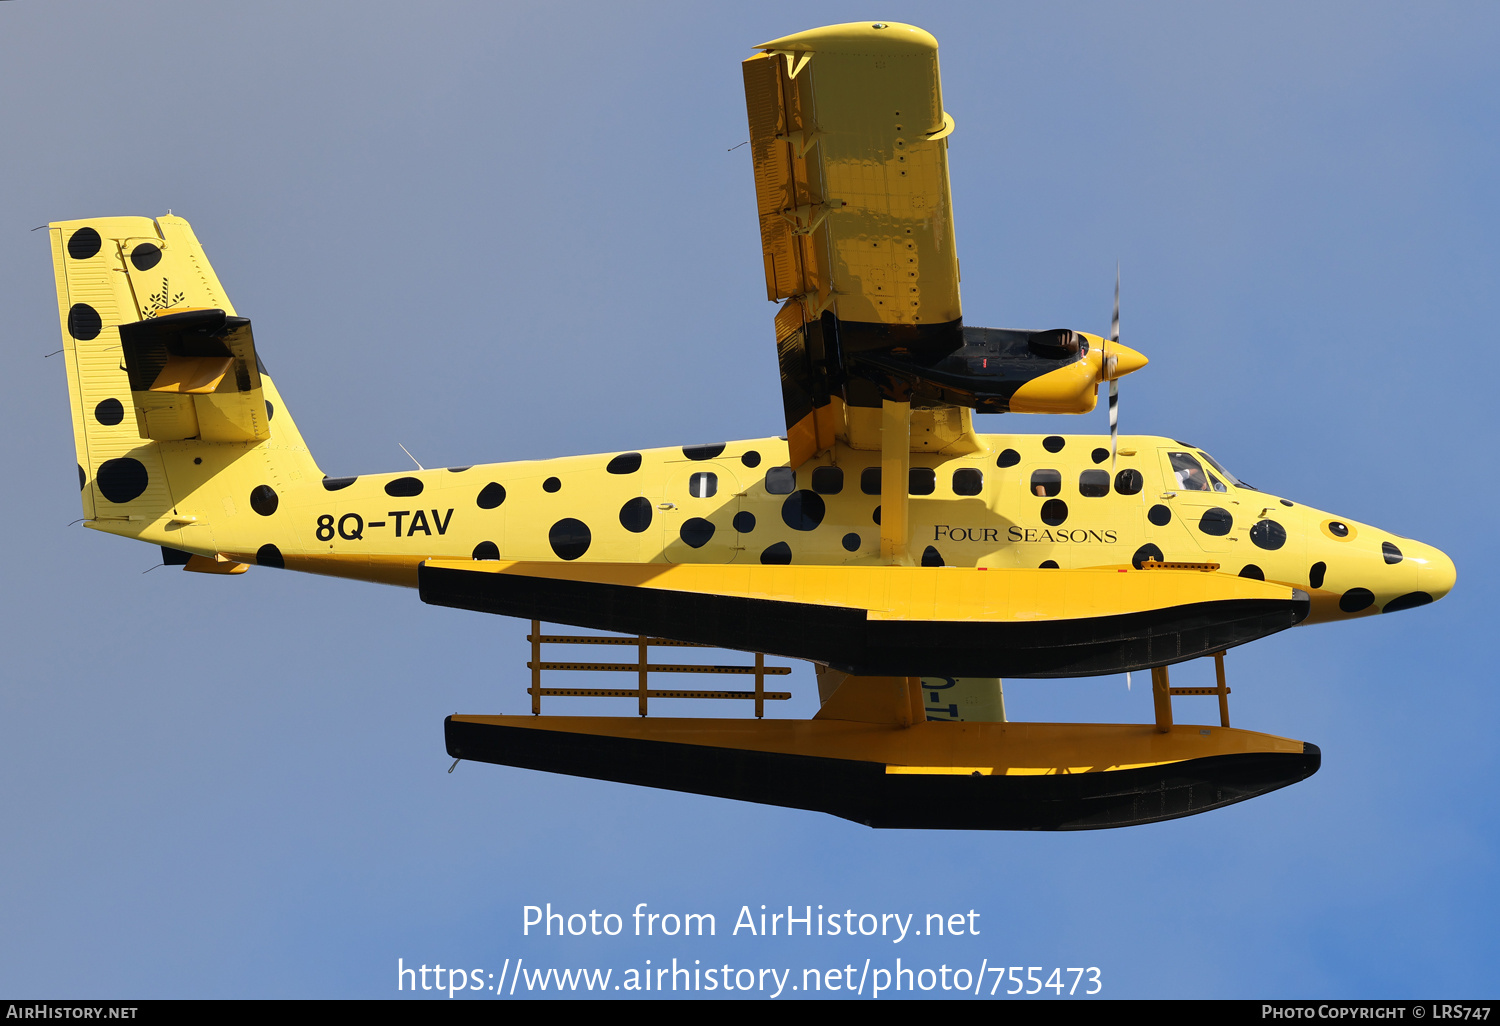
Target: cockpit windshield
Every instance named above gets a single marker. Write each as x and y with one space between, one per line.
1220 468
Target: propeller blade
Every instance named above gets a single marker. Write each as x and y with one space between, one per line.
1114 421
1110 360
1114 322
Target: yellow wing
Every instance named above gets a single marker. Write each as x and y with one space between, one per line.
849 143
847 132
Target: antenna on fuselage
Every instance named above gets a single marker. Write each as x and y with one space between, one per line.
413 458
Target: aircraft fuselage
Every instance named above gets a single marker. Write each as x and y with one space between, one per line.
1020 501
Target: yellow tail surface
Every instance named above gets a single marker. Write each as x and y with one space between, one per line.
177 426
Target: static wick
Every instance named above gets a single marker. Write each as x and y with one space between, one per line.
730 150
53 353
454 766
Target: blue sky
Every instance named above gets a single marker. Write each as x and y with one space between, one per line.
495 232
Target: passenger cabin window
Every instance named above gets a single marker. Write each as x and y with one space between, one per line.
1129 481
703 485
1093 484
781 480
921 481
828 480
1189 473
869 480
1045 483
968 481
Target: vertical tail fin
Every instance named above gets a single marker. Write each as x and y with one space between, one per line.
171 405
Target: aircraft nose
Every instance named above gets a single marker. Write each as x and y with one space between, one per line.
1435 573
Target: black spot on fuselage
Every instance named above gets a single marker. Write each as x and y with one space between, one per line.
1100 455
404 487
1355 599
625 463
264 500
1390 552
851 542
635 515
803 510
569 538
1159 515
486 550
744 521
780 553
751 459
1050 564
1216 521
1253 572
696 532
1008 458
552 484
333 484
491 495
1315 574
702 452
1268 534
932 557
1410 600
1145 552
1054 512
1054 443
269 555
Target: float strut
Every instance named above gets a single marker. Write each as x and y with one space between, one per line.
1161 692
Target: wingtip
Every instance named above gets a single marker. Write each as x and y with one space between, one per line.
868 36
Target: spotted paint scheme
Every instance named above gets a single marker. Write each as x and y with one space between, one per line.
183 441
268 502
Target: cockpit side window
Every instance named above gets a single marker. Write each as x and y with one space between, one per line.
1189 473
